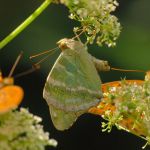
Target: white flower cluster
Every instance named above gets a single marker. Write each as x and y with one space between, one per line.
132 103
20 130
96 19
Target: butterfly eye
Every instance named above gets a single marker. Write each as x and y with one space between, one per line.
63 46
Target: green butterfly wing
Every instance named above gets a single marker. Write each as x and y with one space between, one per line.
62 119
72 86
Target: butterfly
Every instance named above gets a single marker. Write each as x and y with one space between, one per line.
73 84
10 95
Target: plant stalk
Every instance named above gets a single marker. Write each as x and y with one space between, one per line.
24 24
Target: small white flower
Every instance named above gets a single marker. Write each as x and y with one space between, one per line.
53 142
113 89
37 118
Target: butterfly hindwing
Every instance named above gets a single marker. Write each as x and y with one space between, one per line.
62 119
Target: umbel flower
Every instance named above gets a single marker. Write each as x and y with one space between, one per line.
96 18
20 130
126 104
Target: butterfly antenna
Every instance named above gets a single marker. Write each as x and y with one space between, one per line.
126 70
15 64
45 52
42 60
34 68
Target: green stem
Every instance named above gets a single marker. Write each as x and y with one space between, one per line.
23 25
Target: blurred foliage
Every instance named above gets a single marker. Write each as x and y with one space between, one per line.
20 130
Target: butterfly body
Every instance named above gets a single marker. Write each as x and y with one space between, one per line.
73 85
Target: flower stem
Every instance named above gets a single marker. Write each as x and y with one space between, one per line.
24 24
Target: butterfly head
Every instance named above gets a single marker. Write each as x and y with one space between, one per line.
6 81
64 43
71 45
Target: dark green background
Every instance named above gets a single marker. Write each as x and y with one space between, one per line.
132 52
